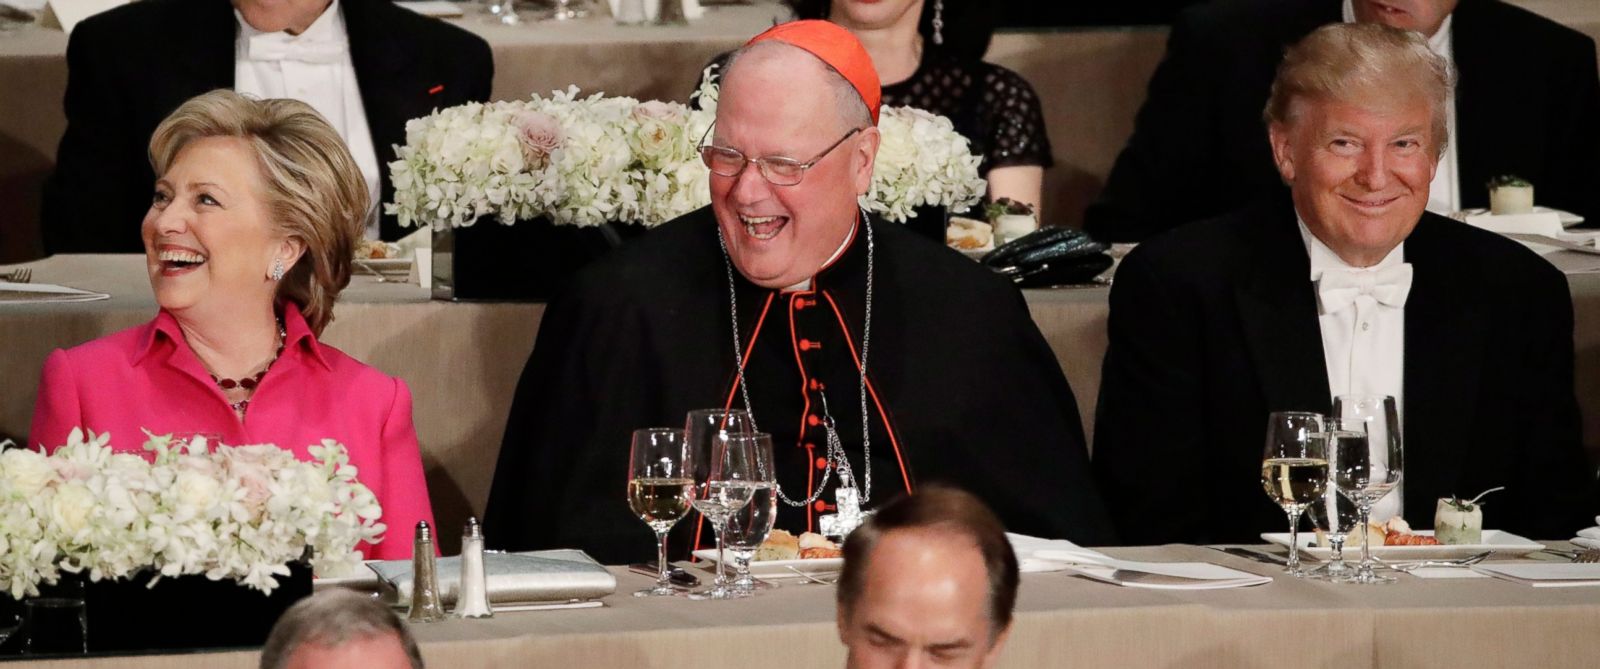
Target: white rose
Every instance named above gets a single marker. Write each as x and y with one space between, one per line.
195 491
655 141
27 472
71 507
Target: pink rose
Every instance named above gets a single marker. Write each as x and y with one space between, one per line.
252 466
540 135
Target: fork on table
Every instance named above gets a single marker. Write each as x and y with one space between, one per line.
1585 556
23 275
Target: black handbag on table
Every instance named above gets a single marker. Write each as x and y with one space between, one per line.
1050 257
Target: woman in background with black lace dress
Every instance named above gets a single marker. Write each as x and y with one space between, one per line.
929 55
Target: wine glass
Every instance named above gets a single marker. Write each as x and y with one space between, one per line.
1333 514
660 488
1294 470
724 477
748 527
1368 465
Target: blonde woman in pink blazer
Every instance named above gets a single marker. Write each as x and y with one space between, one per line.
249 238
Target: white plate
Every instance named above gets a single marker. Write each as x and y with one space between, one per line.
1568 219
1501 542
778 568
385 266
362 578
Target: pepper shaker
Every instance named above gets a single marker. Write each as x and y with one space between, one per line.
472 601
425 607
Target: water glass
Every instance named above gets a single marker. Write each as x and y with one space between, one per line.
748 527
1369 466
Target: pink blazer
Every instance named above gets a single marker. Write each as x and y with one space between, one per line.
147 378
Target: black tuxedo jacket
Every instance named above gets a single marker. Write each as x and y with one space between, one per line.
1214 325
130 67
1526 104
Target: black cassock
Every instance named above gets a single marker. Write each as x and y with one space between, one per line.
963 389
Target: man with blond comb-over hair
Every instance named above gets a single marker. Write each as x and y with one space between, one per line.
1344 287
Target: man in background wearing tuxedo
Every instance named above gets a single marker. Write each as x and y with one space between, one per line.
1526 105
367 66
1346 286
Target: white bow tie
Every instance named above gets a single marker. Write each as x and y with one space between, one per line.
281 46
1339 288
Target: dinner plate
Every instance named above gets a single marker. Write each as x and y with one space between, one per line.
362 578
777 568
1568 219
385 266
1501 542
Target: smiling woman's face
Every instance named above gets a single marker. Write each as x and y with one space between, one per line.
209 240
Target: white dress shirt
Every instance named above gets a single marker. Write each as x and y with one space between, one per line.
1363 342
1444 193
313 67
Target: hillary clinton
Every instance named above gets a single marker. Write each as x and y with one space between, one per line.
248 241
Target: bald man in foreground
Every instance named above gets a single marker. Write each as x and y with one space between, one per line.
929 580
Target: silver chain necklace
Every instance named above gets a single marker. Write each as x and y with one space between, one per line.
836 457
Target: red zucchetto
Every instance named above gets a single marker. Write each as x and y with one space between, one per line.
835 46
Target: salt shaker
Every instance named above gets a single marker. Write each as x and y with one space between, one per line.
425 607
472 601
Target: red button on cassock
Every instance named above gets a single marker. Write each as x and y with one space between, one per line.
822 463
822 506
813 421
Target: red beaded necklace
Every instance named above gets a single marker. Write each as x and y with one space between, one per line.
250 382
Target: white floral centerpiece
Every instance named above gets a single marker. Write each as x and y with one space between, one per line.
576 161
594 160
227 512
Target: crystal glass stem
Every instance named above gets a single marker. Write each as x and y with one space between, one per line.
742 580
1336 556
663 586
1293 566
722 577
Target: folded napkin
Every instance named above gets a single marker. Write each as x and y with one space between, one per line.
1041 555
1543 574
538 576
1588 537
21 293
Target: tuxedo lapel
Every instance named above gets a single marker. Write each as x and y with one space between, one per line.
1443 346
1483 111
1278 316
206 45
390 93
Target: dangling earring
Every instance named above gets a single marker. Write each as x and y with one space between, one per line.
277 270
938 21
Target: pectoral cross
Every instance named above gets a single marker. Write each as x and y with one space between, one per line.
848 510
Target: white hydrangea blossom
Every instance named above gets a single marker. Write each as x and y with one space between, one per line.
228 512
922 161
575 161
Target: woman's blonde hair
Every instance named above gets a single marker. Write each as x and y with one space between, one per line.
1359 62
314 190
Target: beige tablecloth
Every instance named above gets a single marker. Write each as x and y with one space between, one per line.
1061 622
462 360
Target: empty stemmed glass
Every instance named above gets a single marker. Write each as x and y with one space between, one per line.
1294 470
660 489
724 477
1368 466
1333 514
748 527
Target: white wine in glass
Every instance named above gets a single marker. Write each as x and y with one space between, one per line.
1294 470
660 491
